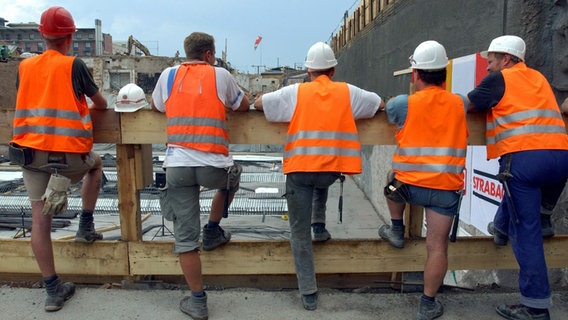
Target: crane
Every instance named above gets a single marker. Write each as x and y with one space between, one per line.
133 42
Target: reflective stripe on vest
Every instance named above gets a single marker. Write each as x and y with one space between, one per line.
322 135
527 117
48 115
432 143
195 114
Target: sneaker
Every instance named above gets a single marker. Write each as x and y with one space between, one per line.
393 234
321 234
546 225
213 238
499 238
310 301
63 293
88 234
195 307
520 312
429 310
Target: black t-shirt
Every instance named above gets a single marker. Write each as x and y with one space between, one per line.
83 82
488 93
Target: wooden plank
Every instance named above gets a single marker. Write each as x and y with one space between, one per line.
128 193
144 127
336 256
102 258
144 165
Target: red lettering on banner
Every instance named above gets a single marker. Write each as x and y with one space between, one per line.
488 187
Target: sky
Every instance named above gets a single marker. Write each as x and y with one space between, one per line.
288 27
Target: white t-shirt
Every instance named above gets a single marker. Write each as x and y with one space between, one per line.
229 93
279 106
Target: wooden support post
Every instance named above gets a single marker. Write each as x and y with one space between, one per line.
415 218
128 193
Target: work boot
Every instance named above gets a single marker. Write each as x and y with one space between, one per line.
87 234
195 307
320 233
63 293
521 312
393 234
546 225
310 301
499 238
429 310
214 237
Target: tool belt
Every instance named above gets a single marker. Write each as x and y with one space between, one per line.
19 155
397 191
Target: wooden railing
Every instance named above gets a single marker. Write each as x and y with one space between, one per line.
133 134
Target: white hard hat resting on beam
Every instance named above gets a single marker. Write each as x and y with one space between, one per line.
130 98
512 45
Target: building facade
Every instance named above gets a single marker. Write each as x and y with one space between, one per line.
24 37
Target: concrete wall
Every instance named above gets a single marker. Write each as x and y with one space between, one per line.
463 27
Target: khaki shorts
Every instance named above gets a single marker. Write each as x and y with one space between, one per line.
36 174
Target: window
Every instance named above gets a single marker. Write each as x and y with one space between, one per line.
91 35
19 36
40 46
32 36
75 45
88 45
78 36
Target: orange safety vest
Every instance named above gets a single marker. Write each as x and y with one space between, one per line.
432 144
49 116
527 117
196 115
322 135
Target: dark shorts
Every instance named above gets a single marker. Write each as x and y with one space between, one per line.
445 202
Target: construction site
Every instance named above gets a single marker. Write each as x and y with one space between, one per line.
133 269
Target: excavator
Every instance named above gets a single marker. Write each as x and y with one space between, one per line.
133 42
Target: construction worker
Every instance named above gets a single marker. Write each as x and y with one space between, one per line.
194 95
526 132
322 142
53 138
428 164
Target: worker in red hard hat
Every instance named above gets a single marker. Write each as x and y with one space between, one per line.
52 141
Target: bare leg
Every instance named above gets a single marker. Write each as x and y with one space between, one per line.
396 209
218 205
41 239
91 185
438 228
191 266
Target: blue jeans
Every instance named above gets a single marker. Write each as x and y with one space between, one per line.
299 195
539 177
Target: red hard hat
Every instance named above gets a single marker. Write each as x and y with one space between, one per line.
56 21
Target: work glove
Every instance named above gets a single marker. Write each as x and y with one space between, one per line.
55 196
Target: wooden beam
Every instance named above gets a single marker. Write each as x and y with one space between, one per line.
128 193
336 256
100 258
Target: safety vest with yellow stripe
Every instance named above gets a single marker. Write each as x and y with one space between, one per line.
527 117
432 143
49 116
195 114
322 135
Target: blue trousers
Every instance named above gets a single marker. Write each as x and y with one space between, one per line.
299 195
539 177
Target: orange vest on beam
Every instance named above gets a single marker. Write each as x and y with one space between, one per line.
195 114
322 135
49 116
432 144
527 117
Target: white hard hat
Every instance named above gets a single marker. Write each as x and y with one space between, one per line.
130 98
320 57
512 45
429 55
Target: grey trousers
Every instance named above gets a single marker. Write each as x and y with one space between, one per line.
300 188
319 205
